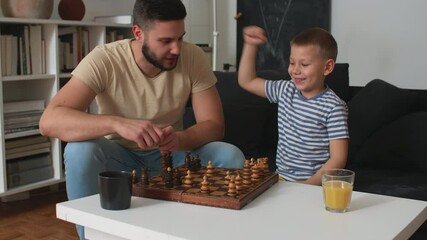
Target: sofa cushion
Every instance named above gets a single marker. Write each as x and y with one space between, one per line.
392 182
376 105
339 81
400 145
243 127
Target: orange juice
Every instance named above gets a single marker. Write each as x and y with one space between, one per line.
337 194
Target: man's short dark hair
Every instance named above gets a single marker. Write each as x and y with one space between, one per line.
146 12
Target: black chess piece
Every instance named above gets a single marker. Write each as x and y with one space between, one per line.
169 178
177 178
144 176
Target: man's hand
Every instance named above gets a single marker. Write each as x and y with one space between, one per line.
254 35
144 133
170 141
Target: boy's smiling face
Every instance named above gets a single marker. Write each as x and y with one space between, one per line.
308 69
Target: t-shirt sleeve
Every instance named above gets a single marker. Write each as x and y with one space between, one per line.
273 89
94 69
199 69
337 122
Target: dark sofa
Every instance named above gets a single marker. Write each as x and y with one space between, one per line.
387 124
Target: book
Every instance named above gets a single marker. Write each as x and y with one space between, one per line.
22 141
10 156
30 176
26 43
27 148
36 49
21 106
28 163
119 19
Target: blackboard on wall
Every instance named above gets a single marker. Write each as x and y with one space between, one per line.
281 20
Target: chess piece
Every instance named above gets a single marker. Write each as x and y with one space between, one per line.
187 159
239 183
144 176
166 162
255 177
197 162
246 175
266 170
169 178
204 185
188 181
227 178
177 178
210 169
133 176
232 192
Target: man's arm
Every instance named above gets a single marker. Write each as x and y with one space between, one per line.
66 119
338 149
253 36
209 123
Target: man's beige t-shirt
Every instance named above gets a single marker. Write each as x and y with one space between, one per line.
123 90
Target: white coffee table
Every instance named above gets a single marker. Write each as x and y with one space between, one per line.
285 211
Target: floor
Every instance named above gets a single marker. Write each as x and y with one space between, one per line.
35 218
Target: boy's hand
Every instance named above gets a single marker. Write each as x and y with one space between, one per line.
254 35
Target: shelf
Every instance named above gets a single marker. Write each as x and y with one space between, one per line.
27 87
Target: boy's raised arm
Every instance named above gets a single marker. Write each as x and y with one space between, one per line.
252 36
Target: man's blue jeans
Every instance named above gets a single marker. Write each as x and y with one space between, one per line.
85 160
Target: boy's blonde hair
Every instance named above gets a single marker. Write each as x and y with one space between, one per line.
318 37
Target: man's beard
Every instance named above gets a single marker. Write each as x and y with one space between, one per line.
151 58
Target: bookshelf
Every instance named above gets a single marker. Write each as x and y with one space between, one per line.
24 154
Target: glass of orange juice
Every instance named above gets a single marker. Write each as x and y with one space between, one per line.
337 187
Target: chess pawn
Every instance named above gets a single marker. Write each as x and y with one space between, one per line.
205 185
187 160
232 192
188 181
255 174
144 176
265 166
177 178
246 175
239 184
227 178
210 169
133 175
198 162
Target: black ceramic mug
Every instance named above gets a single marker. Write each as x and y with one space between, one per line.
115 189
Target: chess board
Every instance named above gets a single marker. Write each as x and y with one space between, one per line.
218 189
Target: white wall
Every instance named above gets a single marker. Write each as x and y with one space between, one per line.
383 39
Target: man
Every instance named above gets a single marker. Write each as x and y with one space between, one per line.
141 86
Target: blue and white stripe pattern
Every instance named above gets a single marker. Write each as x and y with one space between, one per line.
305 128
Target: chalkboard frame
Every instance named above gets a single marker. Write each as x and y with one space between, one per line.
284 19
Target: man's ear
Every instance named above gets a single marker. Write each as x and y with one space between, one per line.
329 67
137 32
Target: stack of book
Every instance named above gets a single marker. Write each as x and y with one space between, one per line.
22 116
73 46
23 50
28 160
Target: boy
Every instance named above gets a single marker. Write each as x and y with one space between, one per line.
312 119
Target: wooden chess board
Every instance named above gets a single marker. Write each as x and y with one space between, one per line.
218 194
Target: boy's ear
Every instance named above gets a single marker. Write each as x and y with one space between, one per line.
329 67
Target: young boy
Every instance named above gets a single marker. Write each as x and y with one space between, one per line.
312 119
